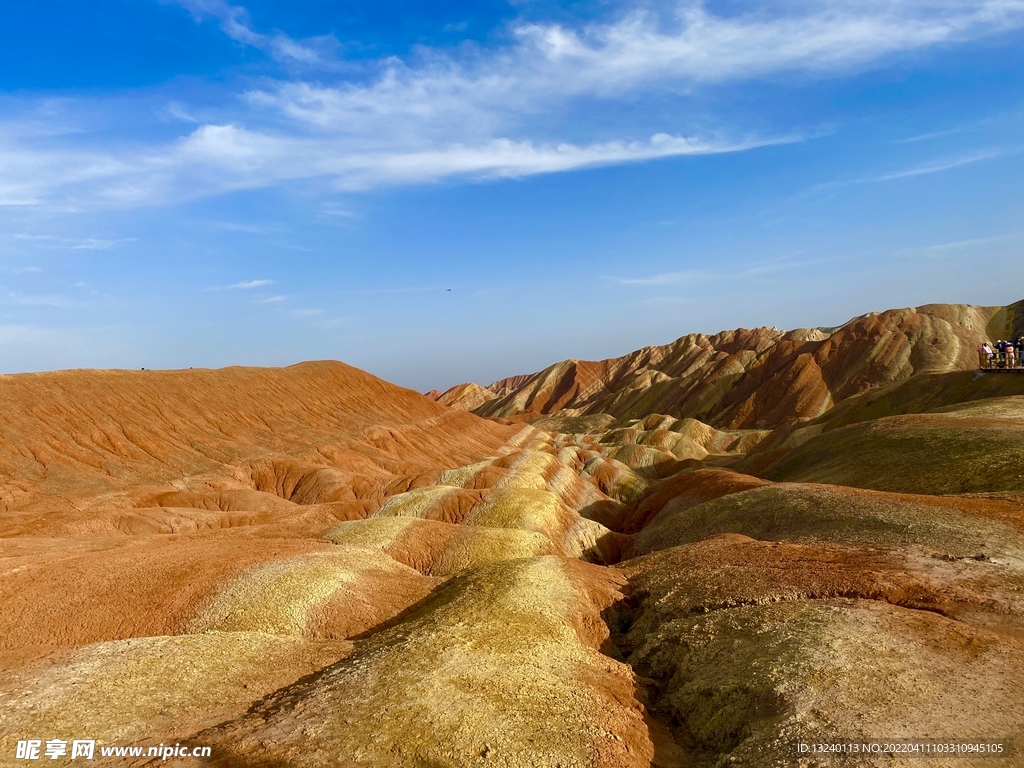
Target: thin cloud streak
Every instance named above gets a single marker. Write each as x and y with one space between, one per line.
689 277
236 24
217 159
245 285
74 244
956 248
937 167
928 136
667 278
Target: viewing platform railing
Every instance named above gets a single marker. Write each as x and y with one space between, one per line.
1000 363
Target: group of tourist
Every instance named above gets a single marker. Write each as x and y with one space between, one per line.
1003 354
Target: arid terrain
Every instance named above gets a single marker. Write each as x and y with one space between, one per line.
692 555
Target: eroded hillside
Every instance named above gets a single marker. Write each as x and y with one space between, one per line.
752 378
308 566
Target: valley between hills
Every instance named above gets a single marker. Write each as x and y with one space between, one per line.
696 554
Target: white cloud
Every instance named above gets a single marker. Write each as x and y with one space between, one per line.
222 158
936 167
703 47
235 23
244 285
475 113
549 63
75 244
270 299
667 278
965 248
96 244
335 210
252 229
689 277
177 111
927 136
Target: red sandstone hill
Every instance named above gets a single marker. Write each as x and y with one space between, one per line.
85 432
752 378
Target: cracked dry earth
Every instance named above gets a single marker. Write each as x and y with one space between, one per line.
308 566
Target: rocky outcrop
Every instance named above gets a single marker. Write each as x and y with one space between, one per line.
466 397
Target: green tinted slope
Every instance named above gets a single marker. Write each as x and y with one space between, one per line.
970 448
821 513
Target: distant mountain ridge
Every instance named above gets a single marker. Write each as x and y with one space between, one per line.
751 378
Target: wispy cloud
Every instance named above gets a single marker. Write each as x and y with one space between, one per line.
74 244
270 299
667 278
246 285
774 266
959 248
96 244
927 136
691 277
551 62
337 211
481 113
253 229
936 167
177 111
222 158
236 24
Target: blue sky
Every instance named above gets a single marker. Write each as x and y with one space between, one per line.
196 183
